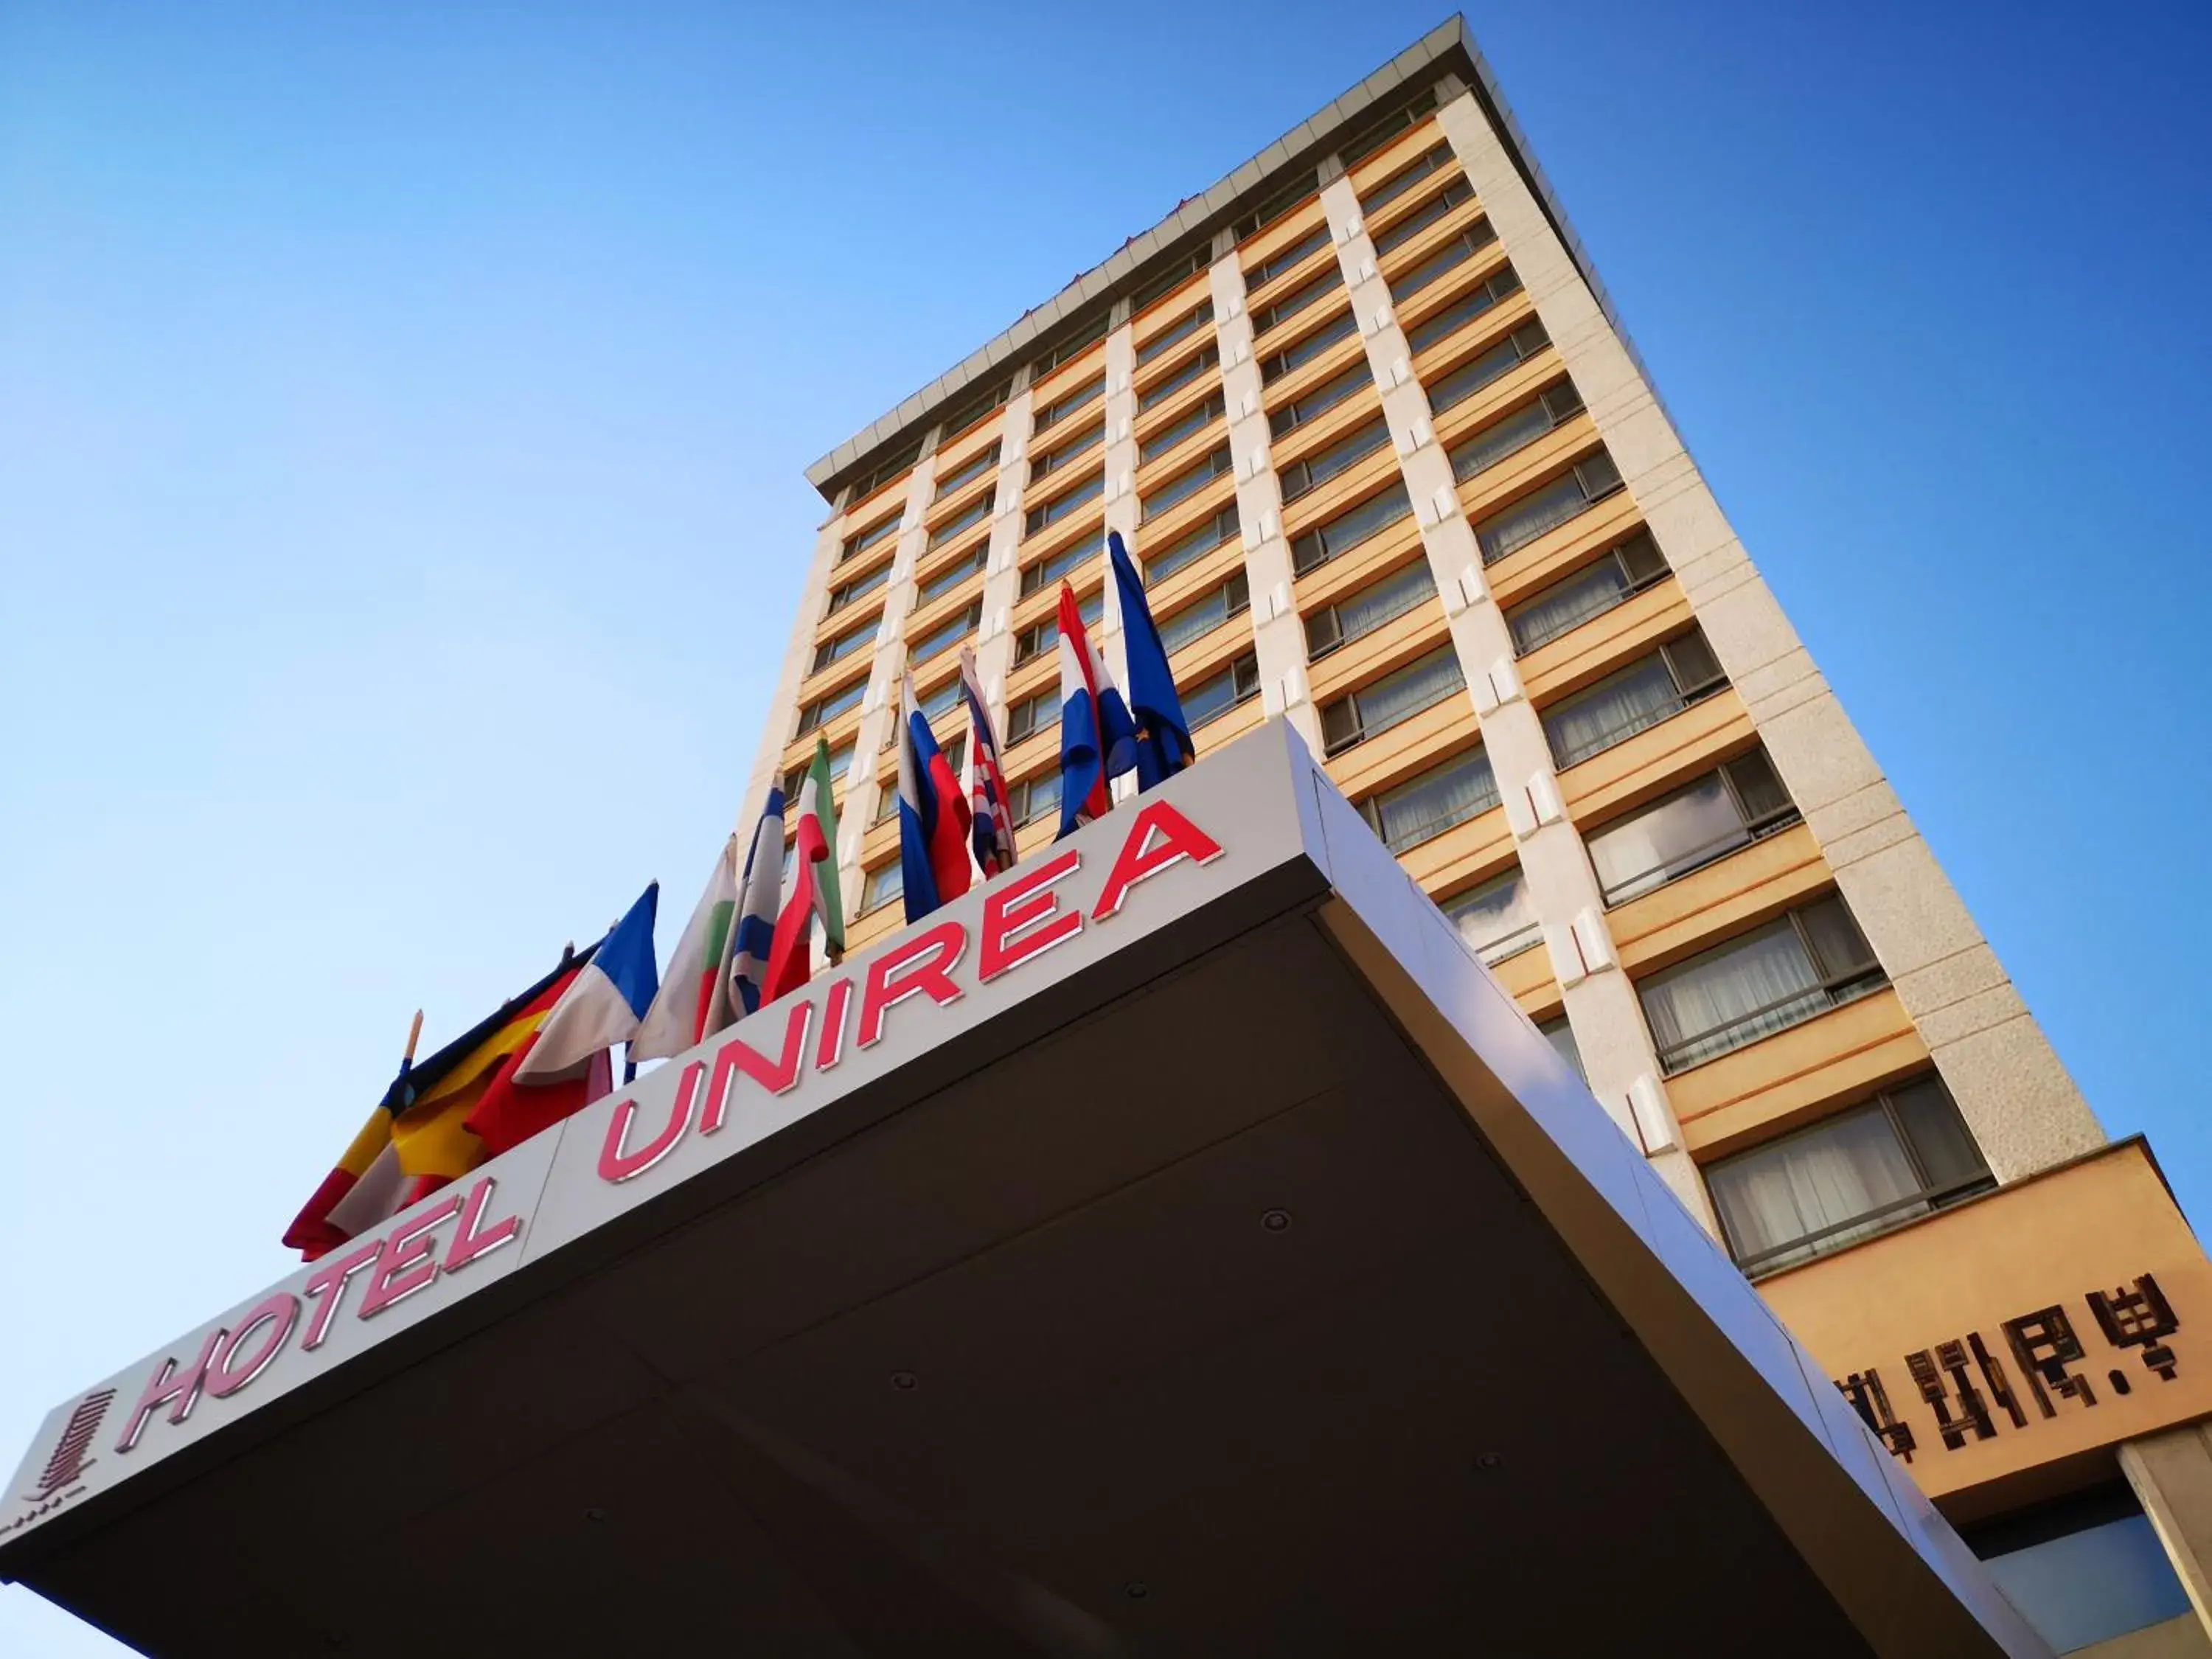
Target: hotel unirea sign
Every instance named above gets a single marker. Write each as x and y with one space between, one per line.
948 977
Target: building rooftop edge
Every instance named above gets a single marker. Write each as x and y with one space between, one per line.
1211 208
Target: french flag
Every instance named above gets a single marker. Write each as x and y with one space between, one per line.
1097 739
991 804
932 817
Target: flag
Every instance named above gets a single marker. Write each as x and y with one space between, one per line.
990 806
1162 735
932 817
814 896
759 897
1097 739
417 1136
564 1066
694 1001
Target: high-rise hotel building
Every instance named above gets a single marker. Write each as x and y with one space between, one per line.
1395 474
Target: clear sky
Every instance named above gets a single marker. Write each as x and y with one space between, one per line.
403 412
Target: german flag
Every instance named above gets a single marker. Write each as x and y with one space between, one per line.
417 1138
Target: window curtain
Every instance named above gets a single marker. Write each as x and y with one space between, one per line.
1195 621
1516 431
1653 847
1428 806
1569 604
1771 1198
1365 611
1409 690
1496 918
1520 524
1611 710
1708 1007
1210 698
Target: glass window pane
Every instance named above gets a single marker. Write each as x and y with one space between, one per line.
1793 1198
1666 839
1386 601
1940 1137
1417 686
1567 606
1462 311
2091 1583
1751 986
1561 1035
1837 941
1611 710
1760 790
1491 445
1426 806
1498 918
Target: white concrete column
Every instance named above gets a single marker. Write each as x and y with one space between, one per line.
1610 1032
860 786
2023 1108
1119 447
1279 636
783 707
2172 1474
1002 578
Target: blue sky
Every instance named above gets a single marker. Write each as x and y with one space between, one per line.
403 413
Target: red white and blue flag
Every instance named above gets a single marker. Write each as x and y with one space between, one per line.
1097 739
932 817
992 807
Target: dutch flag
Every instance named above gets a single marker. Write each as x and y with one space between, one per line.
932 817
1097 740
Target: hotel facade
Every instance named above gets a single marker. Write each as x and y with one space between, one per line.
1395 475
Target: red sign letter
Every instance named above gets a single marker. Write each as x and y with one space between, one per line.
616 1164
177 1389
833 1024
1027 905
1138 861
472 1238
738 1055
941 946
327 1288
228 1374
406 1266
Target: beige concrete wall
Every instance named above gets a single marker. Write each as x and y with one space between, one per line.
2023 1108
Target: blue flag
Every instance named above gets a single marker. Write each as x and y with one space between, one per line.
1164 745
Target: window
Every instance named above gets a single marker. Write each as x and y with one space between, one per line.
943 581
1202 617
1033 715
1435 161
939 702
1269 316
1288 259
1463 310
1509 433
1052 414
983 460
1052 460
1499 919
1153 396
886 807
1300 477
1196 419
1424 807
1194 545
965 519
1034 797
1323 397
885 883
884 470
945 636
1368 609
1375 708
1453 254
1317 546
1741 803
1373 138
845 593
845 644
1184 485
841 760
1051 512
1040 637
976 408
1789 971
1561 1035
1217 694
1905 1153
1184 267
1655 689
1280 205
873 536
2084 1569
1470 378
823 709
1512 528
1566 605
1071 348
1066 562
1429 212
1297 355
1175 333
